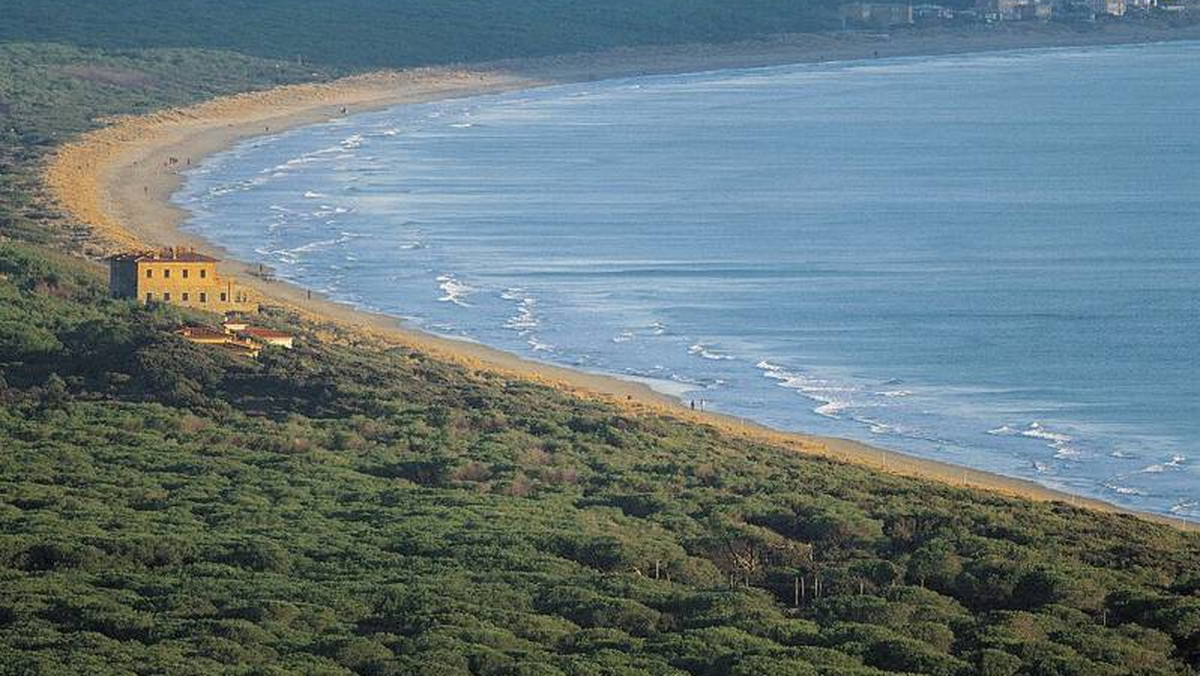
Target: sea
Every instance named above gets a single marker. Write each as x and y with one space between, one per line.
989 259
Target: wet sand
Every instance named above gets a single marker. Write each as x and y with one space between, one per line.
119 180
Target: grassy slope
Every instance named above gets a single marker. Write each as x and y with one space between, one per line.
351 509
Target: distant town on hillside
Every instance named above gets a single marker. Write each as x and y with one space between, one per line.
887 14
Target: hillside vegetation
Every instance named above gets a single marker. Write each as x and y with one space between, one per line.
354 508
379 33
342 509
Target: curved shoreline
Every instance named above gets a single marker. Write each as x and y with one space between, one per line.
115 180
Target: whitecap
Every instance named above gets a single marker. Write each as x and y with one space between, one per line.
832 409
702 350
1057 441
1066 452
525 320
1186 508
1039 431
1122 490
1176 462
453 289
623 337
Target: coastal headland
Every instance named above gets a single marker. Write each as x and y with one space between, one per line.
119 180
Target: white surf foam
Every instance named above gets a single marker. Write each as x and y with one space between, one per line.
538 346
525 320
1176 462
1059 442
706 352
1121 490
455 291
833 398
1190 508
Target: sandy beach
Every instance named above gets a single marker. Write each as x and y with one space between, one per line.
119 181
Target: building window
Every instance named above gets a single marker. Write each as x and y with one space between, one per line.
185 273
167 296
149 273
203 274
185 297
203 297
149 296
167 273
223 297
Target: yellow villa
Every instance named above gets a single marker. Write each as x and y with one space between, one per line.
177 276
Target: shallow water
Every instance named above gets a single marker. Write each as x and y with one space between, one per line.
992 260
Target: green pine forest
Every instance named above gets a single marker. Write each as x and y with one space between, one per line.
351 507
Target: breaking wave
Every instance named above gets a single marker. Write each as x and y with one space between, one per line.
706 352
454 290
1059 442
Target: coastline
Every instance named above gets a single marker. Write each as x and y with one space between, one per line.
115 180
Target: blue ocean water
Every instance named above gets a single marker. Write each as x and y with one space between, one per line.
991 260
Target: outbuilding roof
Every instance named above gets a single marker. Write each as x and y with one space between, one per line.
265 333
